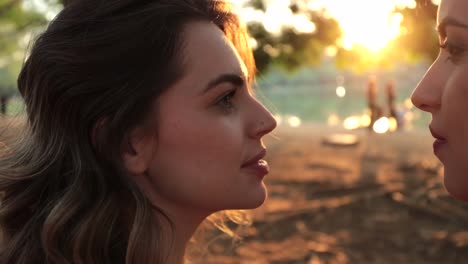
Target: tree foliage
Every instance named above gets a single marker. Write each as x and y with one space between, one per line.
289 50
420 38
292 50
15 23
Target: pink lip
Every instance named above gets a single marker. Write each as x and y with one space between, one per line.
255 159
256 164
436 135
439 143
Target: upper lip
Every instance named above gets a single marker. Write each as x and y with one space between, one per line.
255 158
435 134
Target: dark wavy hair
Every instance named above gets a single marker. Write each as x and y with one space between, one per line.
65 196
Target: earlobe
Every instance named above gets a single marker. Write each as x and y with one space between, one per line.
137 151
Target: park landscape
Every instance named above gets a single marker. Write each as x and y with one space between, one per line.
377 200
381 200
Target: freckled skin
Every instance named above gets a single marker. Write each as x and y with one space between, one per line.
443 92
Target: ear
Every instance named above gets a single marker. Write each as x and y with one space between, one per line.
138 149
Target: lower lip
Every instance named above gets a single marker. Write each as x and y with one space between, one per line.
438 145
260 168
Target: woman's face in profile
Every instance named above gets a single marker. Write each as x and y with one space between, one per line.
443 92
209 127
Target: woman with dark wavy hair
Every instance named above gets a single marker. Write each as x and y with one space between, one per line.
141 123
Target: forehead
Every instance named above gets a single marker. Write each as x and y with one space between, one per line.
208 52
455 9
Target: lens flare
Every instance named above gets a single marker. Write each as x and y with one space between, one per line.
382 125
294 121
333 120
340 91
352 122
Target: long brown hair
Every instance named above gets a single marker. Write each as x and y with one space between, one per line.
65 197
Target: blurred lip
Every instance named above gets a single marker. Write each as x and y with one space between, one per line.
437 135
439 143
255 159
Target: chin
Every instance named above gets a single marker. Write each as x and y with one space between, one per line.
456 186
458 195
257 203
254 200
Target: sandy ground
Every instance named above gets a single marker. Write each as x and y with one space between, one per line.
380 201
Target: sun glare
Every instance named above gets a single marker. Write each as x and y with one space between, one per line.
367 23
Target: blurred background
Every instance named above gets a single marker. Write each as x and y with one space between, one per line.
314 57
353 178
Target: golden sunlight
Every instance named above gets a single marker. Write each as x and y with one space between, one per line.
294 121
333 120
382 125
352 122
340 91
368 23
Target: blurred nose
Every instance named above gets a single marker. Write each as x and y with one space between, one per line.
262 121
428 94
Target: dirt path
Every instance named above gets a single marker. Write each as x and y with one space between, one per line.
381 201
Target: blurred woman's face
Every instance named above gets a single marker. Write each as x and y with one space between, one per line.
208 149
443 92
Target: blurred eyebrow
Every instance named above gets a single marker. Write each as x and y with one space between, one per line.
450 21
235 79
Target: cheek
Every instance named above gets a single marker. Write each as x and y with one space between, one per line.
455 121
198 139
197 158
198 147
454 106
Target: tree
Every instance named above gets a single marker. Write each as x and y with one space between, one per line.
15 23
7 86
292 50
420 38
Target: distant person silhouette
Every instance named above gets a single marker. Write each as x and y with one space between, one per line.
374 109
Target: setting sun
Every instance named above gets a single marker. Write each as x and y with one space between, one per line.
367 23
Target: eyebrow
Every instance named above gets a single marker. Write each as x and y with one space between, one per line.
450 21
234 79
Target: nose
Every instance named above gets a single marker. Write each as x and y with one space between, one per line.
428 93
262 121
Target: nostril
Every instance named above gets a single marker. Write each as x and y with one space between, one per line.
424 102
416 102
428 107
265 127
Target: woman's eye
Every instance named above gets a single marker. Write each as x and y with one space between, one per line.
454 51
226 100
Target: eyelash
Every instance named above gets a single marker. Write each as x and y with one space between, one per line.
225 102
453 51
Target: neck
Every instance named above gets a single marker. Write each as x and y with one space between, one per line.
184 220
183 227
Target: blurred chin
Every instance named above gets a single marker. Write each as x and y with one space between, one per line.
256 199
456 184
